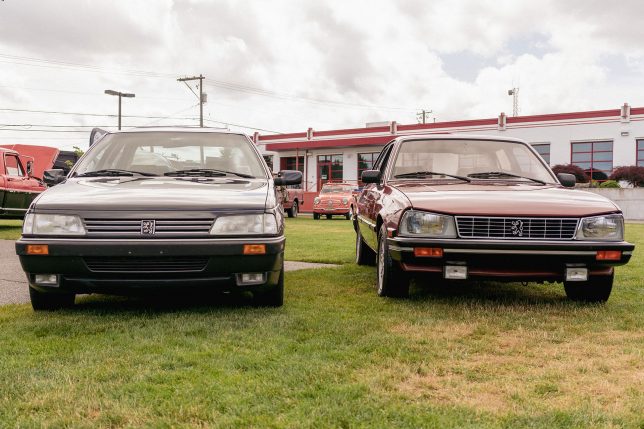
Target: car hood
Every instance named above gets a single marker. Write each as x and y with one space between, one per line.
155 193
505 200
335 196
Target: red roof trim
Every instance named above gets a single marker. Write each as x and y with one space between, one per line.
637 110
564 116
283 136
351 131
319 144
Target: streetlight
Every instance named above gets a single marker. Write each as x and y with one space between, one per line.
120 94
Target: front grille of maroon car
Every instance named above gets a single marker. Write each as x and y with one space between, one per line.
516 228
169 264
163 228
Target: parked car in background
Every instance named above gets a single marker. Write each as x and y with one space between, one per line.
18 186
483 208
124 220
291 198
334 199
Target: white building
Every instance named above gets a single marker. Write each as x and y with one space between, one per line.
597 141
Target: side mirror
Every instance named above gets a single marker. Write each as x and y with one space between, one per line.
288 177
567 180
54 177
30 168
370 176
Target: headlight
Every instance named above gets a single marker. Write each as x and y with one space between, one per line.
245 225
427 225
601 228
52 224
345 201
316 200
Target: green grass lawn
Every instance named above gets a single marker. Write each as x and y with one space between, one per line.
10 229
336 355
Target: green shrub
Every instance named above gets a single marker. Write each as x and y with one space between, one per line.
609 184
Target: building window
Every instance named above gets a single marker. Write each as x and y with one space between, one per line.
365 162
595 158
329 169
544 150
640 153
292 163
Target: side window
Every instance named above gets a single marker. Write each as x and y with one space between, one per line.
381 161
13 166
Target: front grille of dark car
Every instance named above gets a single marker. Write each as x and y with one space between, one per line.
168 264
516 228
163 228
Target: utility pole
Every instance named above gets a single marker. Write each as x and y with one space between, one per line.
514 92
201 97
423 115
119 94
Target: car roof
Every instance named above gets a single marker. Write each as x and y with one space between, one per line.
438 136
177 129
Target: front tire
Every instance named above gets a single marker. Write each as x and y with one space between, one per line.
364 255
392 280
292 212
50 301
329 216
273 297
595 289
316 216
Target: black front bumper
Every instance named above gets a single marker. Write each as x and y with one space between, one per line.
124 266
508 260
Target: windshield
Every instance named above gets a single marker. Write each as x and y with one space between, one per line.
158 153
336 189
475 159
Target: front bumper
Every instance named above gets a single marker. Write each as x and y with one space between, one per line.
508 260
331 210
122 266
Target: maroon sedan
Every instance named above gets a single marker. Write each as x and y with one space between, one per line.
484 208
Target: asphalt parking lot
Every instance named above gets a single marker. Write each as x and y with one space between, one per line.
13 284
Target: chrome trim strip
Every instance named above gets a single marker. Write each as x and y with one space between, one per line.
210 240
367 221
401 249
523 252
627 253
500 233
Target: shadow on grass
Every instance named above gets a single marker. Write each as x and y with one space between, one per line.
165 302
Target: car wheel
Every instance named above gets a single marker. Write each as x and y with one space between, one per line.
316 216
392 280
329 216
292 212
50 301
595 289
273 297
364 255
348 216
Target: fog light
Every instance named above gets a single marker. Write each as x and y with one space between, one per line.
246 279
576 274
46 279
455 272
254 249
609 255
428 252
37 249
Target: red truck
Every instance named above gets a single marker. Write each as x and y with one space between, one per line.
18 184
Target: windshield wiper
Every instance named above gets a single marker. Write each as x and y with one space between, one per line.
113 172
501 174
421 174
207 172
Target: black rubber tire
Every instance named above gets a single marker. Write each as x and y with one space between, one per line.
292 212
348 216
50 301
595 289
364 254
316 216
329 216
273 297
392 281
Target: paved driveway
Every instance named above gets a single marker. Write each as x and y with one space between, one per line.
13 284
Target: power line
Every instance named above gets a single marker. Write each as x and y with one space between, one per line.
88 114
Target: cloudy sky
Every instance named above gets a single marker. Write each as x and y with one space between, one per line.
286 65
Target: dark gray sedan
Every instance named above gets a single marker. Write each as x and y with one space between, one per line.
153 208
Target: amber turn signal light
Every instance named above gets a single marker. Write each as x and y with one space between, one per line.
609 255
428 252
37 249
254 249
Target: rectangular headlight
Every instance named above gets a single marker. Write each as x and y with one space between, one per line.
264 223
601 228
417 223
52 224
